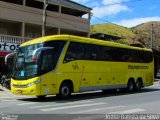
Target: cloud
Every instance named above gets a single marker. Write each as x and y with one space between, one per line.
93 4
105 8
109 10
111 2
136 21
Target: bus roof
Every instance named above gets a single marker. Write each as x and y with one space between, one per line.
80 39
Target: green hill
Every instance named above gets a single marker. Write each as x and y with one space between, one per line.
147 27
112 29
129 35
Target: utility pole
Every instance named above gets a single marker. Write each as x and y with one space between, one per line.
151 44
44 17
89 18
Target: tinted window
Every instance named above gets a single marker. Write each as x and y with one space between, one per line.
47 61
140 56
116 54
58 45
135 56
49 58
147 56
92 52
83 51
75 51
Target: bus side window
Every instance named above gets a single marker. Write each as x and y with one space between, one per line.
91 52
135 56
122 55
46 62
75 51
96 52
147 56
108 54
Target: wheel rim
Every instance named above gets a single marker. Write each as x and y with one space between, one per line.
139 85
131 86
65 91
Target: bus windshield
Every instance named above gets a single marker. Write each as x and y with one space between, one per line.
24 65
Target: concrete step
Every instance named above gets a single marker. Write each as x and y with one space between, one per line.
3 89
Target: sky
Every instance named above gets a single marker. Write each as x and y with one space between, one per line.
128 13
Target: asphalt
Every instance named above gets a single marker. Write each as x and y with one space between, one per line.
98 103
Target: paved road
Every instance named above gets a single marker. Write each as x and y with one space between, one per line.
95 103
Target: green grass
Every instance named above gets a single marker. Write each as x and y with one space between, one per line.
112 29
138 34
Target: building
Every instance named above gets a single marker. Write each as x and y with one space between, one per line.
21 20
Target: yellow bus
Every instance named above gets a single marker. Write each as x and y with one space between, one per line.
65 64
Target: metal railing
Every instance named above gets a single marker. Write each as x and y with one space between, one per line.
13 39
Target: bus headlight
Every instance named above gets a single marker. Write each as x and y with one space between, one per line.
26 85
33 83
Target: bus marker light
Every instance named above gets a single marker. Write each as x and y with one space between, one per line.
54 85
32 90
34 59
19 91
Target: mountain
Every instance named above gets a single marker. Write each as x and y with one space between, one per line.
115 30
139 34
147 28
112 29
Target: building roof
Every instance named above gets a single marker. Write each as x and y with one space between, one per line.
70 4
79 4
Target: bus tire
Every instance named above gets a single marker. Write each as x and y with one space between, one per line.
131 85
139 85
65 91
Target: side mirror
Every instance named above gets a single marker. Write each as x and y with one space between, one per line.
37 52
9 55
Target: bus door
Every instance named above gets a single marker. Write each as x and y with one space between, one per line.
47 65
72 65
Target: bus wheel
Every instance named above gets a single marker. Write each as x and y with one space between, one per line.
131 85
139 85
64 91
